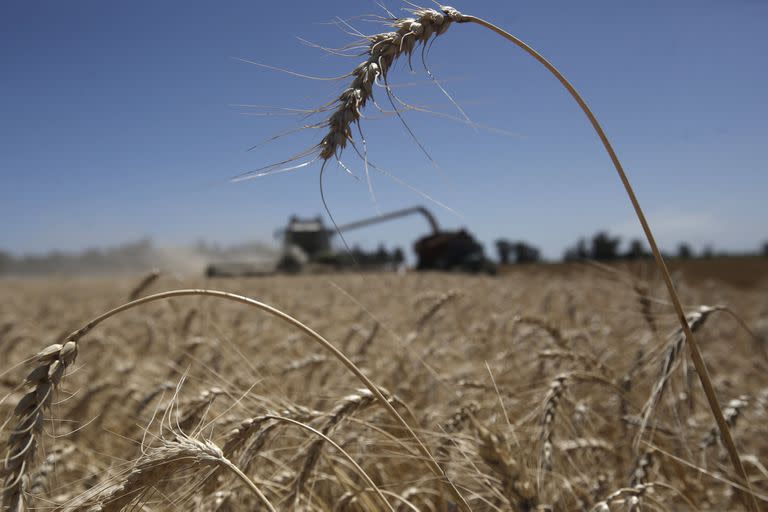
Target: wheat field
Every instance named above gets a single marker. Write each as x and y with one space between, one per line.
531 391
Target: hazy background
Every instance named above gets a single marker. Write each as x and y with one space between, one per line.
118 122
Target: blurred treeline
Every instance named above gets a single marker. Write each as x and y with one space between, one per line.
603 246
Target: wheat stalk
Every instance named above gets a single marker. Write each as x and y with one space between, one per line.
385 48
145 283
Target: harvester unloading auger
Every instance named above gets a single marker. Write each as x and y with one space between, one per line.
307 246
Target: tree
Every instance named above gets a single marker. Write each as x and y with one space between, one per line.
684 251
5 261
578 252
605 247
504 248
398 256
525 253
765 249
516 252
382 255
637 250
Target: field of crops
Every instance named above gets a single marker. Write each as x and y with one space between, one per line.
530 392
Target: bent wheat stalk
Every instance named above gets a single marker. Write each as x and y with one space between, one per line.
385 48
15 474
693 346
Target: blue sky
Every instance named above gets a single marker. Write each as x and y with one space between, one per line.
118 120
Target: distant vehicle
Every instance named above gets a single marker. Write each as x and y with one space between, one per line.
307 245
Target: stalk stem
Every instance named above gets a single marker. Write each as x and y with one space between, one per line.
698 359
252 486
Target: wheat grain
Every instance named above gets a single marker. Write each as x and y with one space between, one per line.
44 379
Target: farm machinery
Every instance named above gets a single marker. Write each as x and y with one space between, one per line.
307 246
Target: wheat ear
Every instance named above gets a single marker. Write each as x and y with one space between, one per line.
44 379
171 456
145 283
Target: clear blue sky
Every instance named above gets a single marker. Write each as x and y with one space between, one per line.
117 120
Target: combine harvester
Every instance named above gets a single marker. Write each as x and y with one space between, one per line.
307 247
